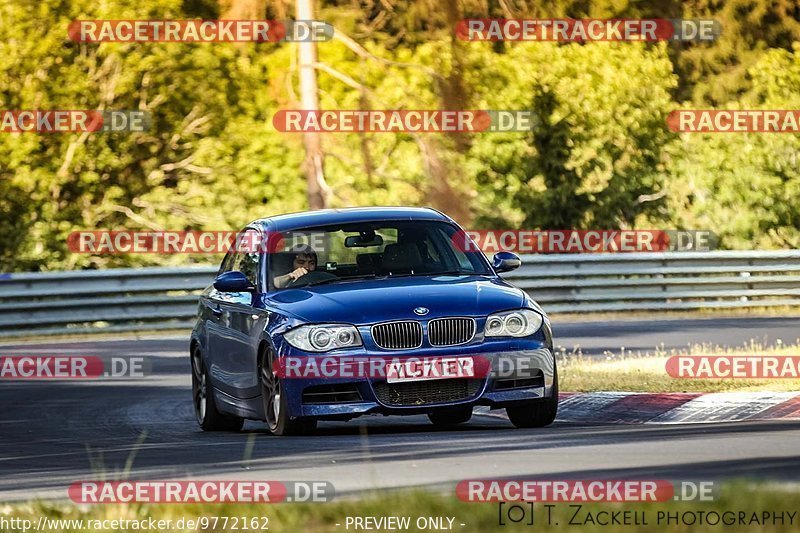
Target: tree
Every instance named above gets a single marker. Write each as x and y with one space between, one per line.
744 186
594 158
314 165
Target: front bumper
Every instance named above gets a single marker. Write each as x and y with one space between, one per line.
521 370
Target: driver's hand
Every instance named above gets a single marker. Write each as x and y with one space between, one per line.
296 273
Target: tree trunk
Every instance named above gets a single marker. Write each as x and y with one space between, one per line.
317 188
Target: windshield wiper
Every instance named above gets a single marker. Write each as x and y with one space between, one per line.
374 276
450 273
332 280
442 273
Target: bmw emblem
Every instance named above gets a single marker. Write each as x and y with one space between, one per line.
421 311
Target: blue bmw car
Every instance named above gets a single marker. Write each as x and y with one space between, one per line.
385 284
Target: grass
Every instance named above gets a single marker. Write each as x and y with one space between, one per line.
323 517
645 371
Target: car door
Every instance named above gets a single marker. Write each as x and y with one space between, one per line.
233 344
216 323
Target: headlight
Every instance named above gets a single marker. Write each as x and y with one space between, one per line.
519 323
323 337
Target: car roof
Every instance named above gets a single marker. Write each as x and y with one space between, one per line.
324 217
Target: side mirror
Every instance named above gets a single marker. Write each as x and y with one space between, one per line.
505 262
233 281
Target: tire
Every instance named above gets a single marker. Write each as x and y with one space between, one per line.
276 411
450 416
205 409
538 413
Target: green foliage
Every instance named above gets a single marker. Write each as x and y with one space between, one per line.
599 156
597 146
718 73
744 187
210 159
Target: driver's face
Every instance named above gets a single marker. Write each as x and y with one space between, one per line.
305 261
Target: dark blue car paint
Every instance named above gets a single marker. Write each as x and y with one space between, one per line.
232 327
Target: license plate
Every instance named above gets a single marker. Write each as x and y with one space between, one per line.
418 369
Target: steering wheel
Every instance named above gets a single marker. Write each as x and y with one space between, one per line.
311 277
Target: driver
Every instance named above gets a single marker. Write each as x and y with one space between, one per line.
305 260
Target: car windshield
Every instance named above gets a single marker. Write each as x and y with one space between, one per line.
334 254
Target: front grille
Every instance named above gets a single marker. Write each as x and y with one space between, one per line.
398 335
450 331
433 391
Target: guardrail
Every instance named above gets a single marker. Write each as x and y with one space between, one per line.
166 298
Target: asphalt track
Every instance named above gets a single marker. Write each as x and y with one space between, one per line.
53 434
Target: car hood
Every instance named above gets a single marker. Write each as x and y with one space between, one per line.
371 301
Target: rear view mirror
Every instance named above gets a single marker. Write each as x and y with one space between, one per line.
233 281
363 240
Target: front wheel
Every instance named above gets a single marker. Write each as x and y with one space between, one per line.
276 410
538 413
205 409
